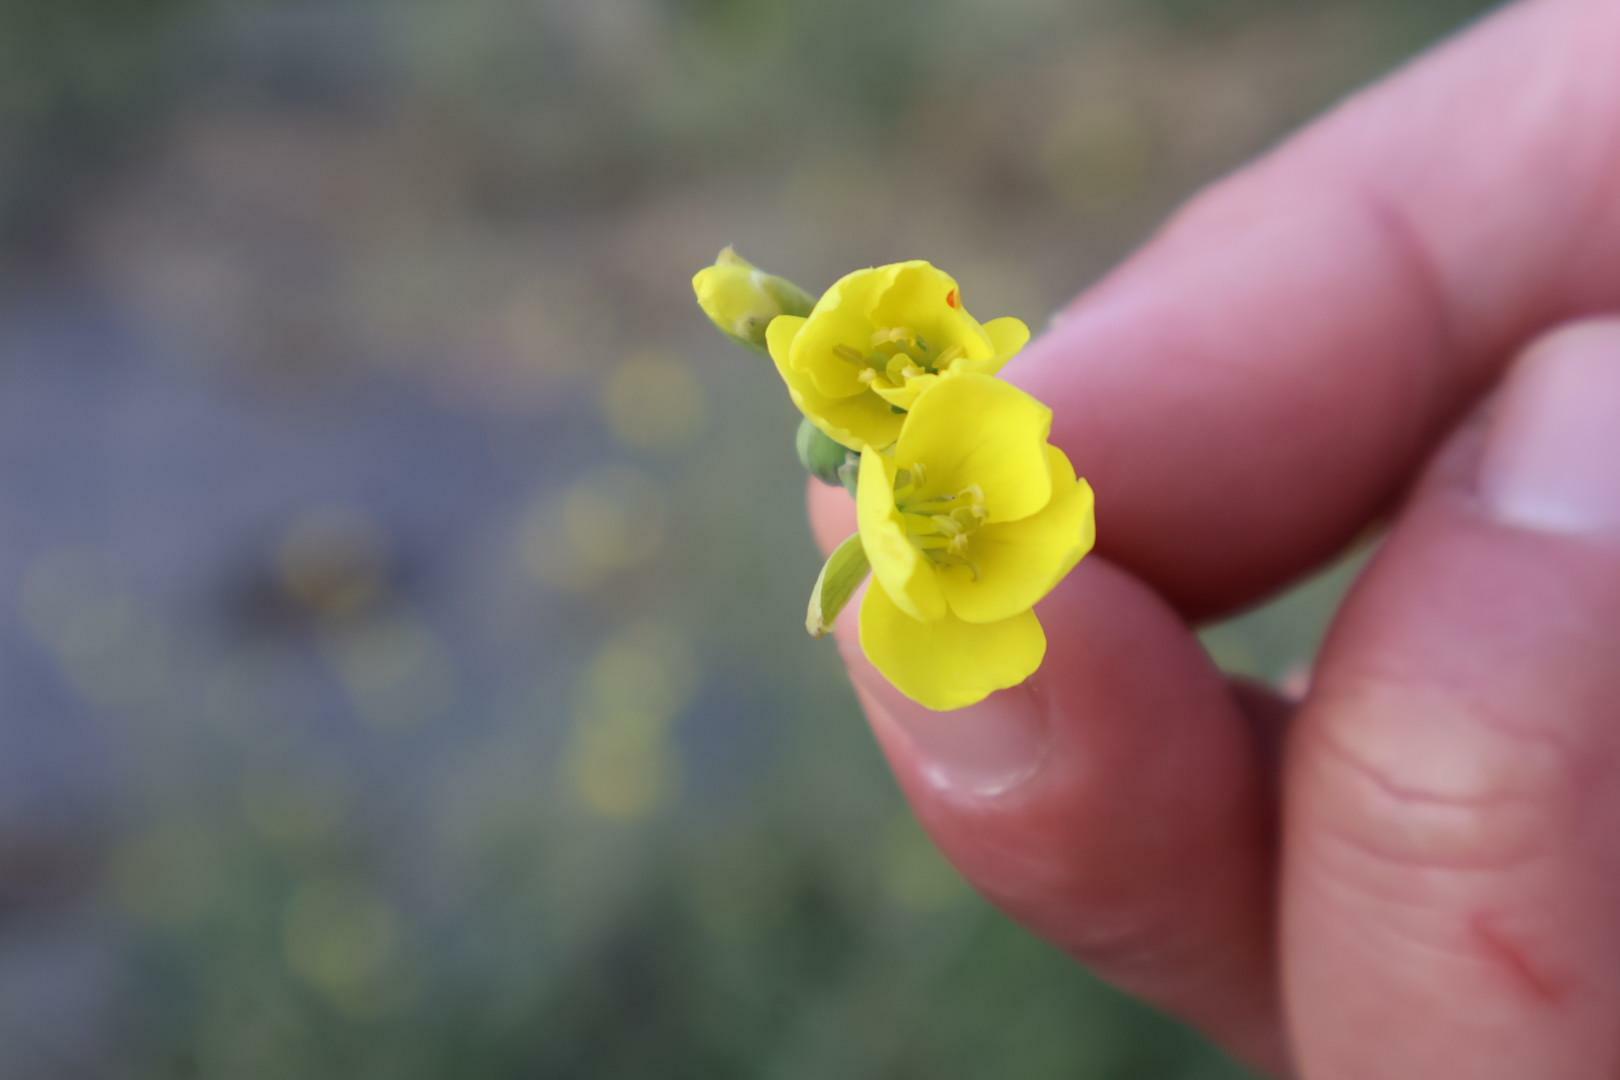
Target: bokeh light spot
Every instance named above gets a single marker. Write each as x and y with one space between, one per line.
647 667
623 779
654 402
171 873
342 940
294 810
608 521
397 671
74 604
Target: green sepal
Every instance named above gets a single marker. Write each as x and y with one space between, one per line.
840 576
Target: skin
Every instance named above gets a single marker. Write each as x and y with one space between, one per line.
1395 317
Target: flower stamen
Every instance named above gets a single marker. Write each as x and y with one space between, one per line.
941 527
896 355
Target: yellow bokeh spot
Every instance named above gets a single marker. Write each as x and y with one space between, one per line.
397 671
654 402
621 763
623 781
171 873
306 808
608 521
342 939
647 667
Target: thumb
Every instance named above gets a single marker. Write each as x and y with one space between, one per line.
1451 871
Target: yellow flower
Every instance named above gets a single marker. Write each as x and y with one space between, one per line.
875 341
741 299
968 522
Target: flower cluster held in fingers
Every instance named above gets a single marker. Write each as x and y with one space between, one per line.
968 515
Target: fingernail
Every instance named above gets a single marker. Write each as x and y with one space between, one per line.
984 751
1552 460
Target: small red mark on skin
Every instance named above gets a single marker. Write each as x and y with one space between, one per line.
1545 986
952 300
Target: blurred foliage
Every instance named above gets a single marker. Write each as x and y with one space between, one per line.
407 662
77 76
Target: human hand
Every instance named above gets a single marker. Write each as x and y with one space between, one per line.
1382 315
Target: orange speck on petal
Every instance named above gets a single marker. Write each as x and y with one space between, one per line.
952 300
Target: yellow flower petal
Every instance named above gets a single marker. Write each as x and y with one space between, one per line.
902 572
841 319
975 430
779 336
1019 562
926 301
1008 336
949 663
915 291
988 365
854 422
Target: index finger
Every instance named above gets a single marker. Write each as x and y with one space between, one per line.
1254 387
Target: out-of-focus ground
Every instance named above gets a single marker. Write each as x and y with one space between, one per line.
400 641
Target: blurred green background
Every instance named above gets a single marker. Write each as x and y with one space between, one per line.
401 649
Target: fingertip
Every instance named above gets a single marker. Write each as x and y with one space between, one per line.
1080 801
1548 464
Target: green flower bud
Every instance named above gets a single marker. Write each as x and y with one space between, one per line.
820 456
741 299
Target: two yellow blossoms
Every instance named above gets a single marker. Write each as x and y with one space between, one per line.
968 516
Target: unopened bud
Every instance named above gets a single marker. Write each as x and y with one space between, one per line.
741 299
821 457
